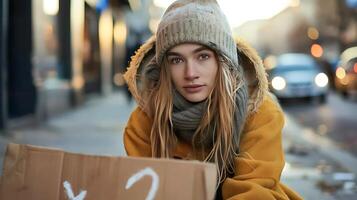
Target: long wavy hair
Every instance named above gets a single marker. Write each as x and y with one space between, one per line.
219 115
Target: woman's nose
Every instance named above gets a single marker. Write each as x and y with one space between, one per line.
191 71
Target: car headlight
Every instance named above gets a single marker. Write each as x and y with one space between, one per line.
321 80
278 83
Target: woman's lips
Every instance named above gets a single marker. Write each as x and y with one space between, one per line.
193 88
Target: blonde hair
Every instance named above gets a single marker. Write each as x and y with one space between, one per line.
221 100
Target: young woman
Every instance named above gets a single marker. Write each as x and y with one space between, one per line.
202 96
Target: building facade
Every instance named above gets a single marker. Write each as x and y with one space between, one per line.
55 53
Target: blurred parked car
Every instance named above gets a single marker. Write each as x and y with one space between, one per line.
346 73
298 75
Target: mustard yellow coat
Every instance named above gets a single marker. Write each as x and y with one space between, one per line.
261 159
259 164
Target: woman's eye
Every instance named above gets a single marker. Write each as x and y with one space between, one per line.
203 56
175 60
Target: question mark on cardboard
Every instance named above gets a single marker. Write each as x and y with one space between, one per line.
139 175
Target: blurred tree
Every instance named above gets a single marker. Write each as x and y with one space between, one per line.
348 24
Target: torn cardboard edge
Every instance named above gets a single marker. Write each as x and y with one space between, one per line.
32 172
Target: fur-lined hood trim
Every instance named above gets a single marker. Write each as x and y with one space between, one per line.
252 64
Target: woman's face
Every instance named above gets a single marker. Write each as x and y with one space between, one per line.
193 70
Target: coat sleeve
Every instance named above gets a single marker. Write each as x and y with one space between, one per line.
261 159
137 134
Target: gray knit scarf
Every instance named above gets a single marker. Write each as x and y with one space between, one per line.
187 117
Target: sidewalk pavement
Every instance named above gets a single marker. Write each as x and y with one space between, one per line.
312 168
94 128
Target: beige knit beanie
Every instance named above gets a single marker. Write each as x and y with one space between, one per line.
199 21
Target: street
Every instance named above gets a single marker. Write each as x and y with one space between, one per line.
319 142
335 120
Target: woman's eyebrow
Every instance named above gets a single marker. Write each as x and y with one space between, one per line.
172 53
200 49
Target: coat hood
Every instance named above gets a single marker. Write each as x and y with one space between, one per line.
248 58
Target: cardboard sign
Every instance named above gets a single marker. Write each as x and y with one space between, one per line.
48 174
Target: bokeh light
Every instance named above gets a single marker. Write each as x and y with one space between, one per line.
119 79
270 62
313 33
340 73
316 50
50 7
120 32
